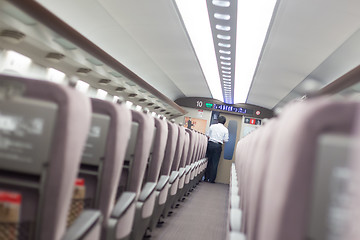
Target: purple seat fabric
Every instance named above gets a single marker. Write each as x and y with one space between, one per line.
179 149
191 146
185 150
247 181
69 137
171 144
116 144
287 189
258 174
143 146
160 139
351 209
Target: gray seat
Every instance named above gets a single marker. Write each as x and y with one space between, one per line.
163 185
181 190
174 178
43 133
345 225
144 209
129 192
104 155
190 160
285 215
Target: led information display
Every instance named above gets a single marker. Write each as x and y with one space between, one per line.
219 106
233 109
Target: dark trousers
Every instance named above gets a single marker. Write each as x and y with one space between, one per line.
213 153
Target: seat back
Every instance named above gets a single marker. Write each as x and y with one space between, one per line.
138 152
348 203
43 132
185 152
179 148
196 147
171 143
285 214
258 173
104 154
158 151
191 146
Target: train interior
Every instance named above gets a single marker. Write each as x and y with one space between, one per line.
105 107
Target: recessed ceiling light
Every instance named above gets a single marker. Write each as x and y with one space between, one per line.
227 76
222 27
226 68
226 72
222 16
225 58
224 52
225 63
223 37
220 3
225 45
227 79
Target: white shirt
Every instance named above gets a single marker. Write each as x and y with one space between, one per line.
218 133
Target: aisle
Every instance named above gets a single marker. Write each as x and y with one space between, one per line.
201 217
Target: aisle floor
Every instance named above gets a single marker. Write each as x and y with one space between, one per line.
202 216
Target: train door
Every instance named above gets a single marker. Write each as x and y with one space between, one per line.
233 123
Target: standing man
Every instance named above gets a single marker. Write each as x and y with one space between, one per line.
217 135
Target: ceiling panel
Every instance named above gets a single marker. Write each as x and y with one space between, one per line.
148 38
303 35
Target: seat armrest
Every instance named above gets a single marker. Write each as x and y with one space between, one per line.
174 176
235 201
188 168
162 182
124 202
84 224
235 219
181 172
147 190
237 236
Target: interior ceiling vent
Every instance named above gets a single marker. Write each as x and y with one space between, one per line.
157 107
142 99
162 110
120 89
55 57
132 95
167 113
83 70
12 35
104 81
150 104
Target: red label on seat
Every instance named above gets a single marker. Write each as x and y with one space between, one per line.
80 182
10 197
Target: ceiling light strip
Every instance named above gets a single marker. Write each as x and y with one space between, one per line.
253 18
223 23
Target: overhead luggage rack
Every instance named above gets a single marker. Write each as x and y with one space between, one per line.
60 47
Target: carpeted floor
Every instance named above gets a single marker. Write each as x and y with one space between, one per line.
202 216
